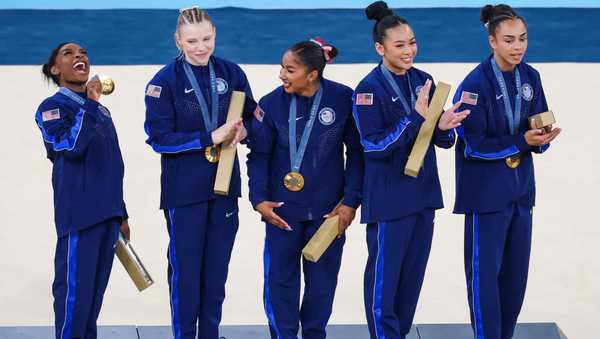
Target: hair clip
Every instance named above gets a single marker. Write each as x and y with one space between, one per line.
181 10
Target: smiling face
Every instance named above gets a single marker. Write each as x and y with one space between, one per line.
399 48
509 43
196 41
295 76
71 65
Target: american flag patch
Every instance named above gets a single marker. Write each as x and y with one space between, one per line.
259 114
365 99
51 115
469 98
154 91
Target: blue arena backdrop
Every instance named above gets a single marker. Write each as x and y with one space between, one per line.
259 36
274 4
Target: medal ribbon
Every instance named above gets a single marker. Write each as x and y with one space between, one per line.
514 119
72 95
297 152
209 122
390 79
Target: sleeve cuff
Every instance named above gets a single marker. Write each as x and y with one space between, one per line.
415 117
125 215
205 139
446 134
542 149
349 201
522 144
256 201
91 106
246 140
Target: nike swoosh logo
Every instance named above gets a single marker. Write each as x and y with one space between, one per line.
188 90
299 118
395 99
499 96
227 215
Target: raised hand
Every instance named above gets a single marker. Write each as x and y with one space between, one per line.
451 119
423 99
94 88
225 131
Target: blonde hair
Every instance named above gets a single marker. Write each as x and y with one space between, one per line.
192 15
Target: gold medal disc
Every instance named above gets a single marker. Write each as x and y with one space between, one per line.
513 161
108 85
212 154
293 181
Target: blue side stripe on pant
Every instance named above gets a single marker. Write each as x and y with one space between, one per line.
378 284
267 291
475 283
65 332
174 278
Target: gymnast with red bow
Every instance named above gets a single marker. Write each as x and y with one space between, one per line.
297 176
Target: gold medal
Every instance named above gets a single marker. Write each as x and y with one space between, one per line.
212 154
107 83
293 181
513 161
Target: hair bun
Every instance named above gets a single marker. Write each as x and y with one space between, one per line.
378 10
329 50
487 12
45 69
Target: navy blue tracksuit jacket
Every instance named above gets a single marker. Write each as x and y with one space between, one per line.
87 166
176 130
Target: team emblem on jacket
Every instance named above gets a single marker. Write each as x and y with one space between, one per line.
222 86
327 116
527 92
104 110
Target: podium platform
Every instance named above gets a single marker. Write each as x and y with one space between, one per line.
262 332
427 331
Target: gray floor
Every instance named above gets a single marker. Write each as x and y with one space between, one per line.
431 331
260 331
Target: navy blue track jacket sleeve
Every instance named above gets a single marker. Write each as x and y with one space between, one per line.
69 135
378 138
444 139
263 140
160 122
473 131
354 170
249 105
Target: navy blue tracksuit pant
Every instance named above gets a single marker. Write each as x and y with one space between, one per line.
398 254
201 240
82 264
282 256
497 248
